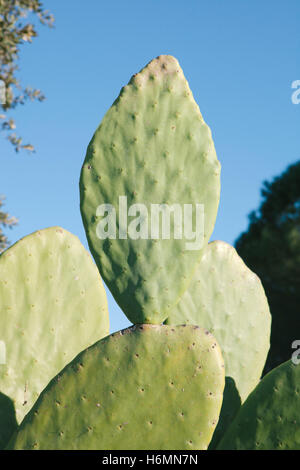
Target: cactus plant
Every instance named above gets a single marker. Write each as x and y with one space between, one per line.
146 387
228 299
151 386
270 417
53 305
152 149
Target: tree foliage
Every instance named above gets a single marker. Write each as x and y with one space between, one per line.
6 221
271 248
15 30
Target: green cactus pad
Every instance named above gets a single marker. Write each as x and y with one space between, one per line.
53 305
228 299
270 417
146 387
153 148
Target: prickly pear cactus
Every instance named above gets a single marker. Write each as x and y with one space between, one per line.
228 299
270 417
53 305
146 387
152 152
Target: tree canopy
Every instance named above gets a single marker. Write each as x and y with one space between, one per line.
271 248
5 221
16 30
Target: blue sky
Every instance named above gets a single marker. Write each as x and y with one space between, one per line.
239 56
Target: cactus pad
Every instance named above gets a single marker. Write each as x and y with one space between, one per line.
152 148
270 417
53 305
228 299
146 387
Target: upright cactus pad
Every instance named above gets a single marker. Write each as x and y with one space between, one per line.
270 417
228 299
53 305
152 149
146 387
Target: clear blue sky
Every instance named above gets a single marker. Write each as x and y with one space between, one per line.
239 56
